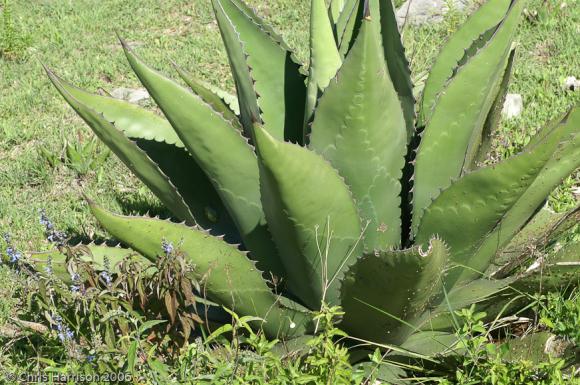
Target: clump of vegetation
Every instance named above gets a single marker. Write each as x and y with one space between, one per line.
487 363
13 42
562 315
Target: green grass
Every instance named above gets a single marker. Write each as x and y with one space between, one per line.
77 39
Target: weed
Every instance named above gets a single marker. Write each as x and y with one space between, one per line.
13 43
485 361
562 315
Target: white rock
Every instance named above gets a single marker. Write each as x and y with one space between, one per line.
571 84
426 11
513 106
131 95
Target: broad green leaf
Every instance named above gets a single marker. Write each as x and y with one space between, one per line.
383 13
193 184
487 16
213 99
562 163
229 99
534 348
478 292
483 145
324 58
155 136
128 151
345 20
227 275
460 115
223 154
360 128
388 289
561 272
536 235
335 9
312 216
132 356
352 22
93 254
430 343
270 90
477 203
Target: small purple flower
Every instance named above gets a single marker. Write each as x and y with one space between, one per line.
76 279
13 254
11 251
45 221
90 358
52 235
167 247
106 277
48 267
64 333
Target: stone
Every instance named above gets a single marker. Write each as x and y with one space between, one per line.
130 94
571 84
419 12
513 106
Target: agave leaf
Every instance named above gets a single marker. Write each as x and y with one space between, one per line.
311 215
486 17
340 22
538 348
154 135
533 238
221 152
197 190
563 162
455 125
561 272
388 289
324 58
360 129
227 275
383 13
335 9
210 97
92 254
128 151
441 317
229 99
491 192
271 91
430 343
349 25
483 145
385 372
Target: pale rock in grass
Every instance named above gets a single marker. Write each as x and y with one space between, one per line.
419 12
131 95
571 84
557 346
513 106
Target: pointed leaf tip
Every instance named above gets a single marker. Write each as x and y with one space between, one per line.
367 10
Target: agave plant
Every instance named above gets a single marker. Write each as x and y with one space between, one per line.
328 183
